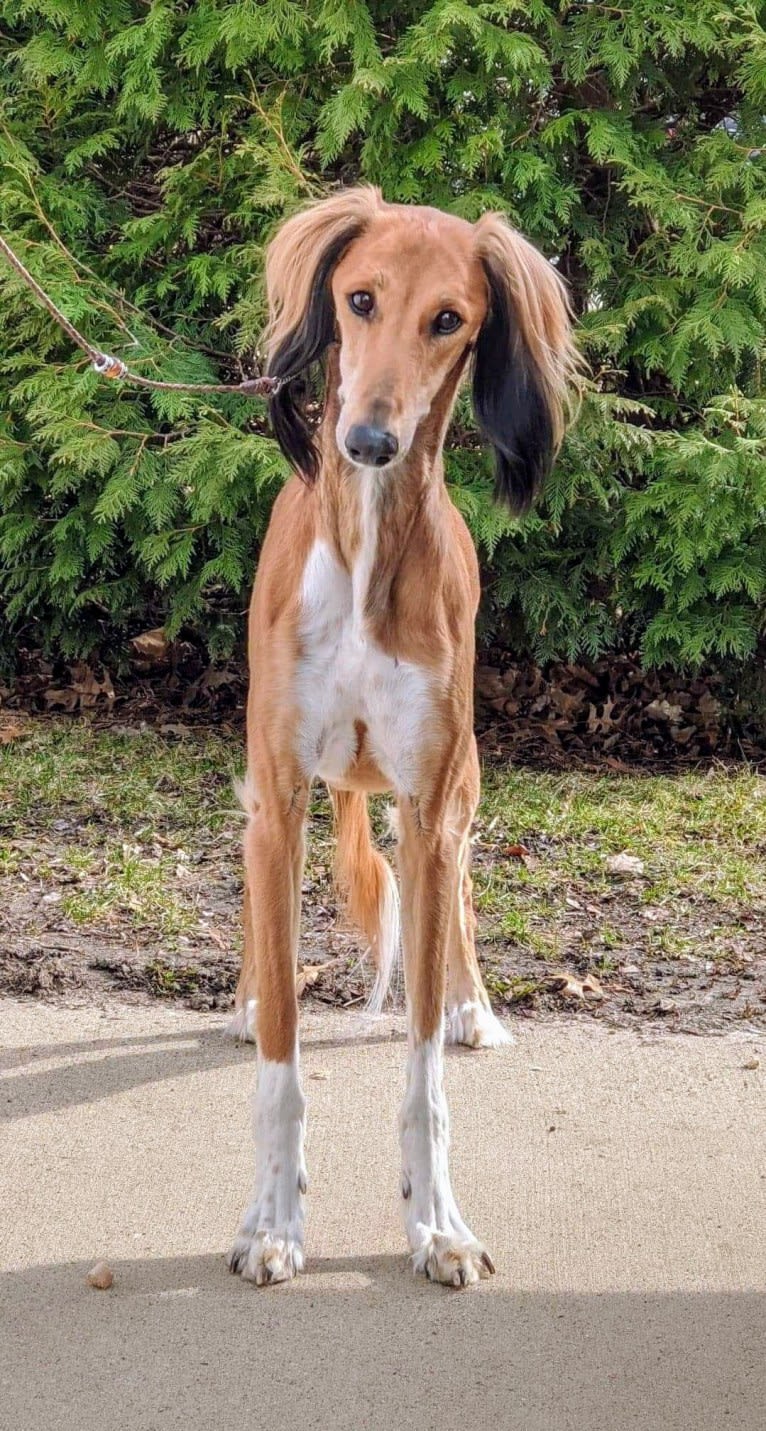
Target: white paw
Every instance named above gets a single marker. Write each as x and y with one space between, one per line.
474 1024
269 1242
445 1258
265 1257
242 1026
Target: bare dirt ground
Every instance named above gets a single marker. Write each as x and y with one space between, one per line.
120 873
41 955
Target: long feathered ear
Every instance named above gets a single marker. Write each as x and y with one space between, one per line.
526 363
299 263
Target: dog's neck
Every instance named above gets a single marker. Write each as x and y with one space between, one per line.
370 516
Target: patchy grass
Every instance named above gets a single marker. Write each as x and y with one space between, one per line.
142 783
131 841
701 837
118 829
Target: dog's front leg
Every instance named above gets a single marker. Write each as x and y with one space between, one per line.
442 1245
269 1244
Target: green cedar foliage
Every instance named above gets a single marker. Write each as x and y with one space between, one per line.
148 149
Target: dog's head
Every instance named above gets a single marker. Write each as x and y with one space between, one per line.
411 296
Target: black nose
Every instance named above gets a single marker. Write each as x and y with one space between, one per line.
370 445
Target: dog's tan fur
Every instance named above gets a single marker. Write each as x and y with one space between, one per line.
421 597
423 593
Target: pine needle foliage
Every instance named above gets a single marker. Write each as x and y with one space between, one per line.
149 148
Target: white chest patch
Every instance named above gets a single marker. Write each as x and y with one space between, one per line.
343 678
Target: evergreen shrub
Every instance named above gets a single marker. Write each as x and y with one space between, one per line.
149 147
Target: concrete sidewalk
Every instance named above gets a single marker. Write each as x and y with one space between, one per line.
620 1186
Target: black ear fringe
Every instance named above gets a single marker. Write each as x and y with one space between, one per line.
303 347
509 403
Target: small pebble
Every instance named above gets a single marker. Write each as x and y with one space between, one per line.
752 1063
101 1276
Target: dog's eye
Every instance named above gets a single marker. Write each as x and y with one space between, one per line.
362 303
447 321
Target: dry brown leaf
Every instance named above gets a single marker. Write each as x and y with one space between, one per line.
152 646
489 683
215 677
566 703
520 852
88 688
67 700
663 710
84 691
581 673
13 730
601 723
307 976
564 982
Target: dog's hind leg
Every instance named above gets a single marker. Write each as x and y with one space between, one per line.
469 1018
242 1026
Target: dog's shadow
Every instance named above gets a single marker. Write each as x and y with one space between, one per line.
356 1342
91 1069
361 1343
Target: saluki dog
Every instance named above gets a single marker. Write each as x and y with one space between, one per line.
361 649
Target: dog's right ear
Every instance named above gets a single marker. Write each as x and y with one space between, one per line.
299 264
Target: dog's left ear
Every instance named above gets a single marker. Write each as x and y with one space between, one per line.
526 362
299 264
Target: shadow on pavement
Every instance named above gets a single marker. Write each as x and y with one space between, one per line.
360 1343
127 1063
